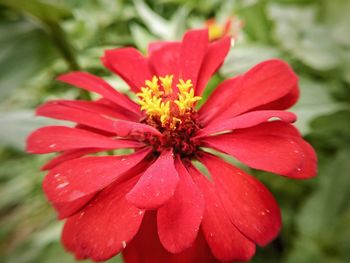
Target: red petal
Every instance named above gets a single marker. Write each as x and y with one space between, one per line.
68 155
264 83
165 58
105 227
130 65
214 103
128 128
193 49
224 239
245 120
215 56
179 219
68 237
199 252
92 83
157 185
78 178
269 147
59 138
155 46
101 107
248 203
283 103
146 247
92 119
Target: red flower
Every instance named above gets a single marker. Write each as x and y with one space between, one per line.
153 204
217 30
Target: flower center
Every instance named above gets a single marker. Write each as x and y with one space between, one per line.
172 111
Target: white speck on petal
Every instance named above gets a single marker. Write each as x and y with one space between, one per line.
61 185
124 244
52 145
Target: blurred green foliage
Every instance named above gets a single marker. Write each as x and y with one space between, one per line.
41 39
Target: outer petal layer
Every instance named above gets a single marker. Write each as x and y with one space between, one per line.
146 247
105 227
224 239
130 65
214 57
246 120
193 49
268 147
90 82
249 205
265 83
68 155
73 180
94 120
59 138
165 58
179 219
157 185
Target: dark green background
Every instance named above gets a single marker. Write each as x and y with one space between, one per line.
41 39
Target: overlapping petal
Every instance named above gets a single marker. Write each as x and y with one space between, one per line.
245 120
214 57
147 248
215 101
130 65
75 179
60 138
102 107
165 58
269 147
265 83
248 203
193 50
226 242
68 155
93 119
157 184
92 83
179 218
104 227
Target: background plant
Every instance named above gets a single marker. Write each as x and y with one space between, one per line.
42 39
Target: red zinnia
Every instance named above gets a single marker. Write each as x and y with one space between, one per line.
153 204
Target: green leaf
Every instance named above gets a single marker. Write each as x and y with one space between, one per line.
43 10
244 56
164 29
299 34
24 51
323 224
156 24
314 101
141 37
256 24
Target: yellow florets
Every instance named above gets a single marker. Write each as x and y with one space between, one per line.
155 102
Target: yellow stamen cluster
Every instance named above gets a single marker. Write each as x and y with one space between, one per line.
157 103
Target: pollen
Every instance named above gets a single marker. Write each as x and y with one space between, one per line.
159 102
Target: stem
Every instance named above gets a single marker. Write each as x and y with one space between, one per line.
62 44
